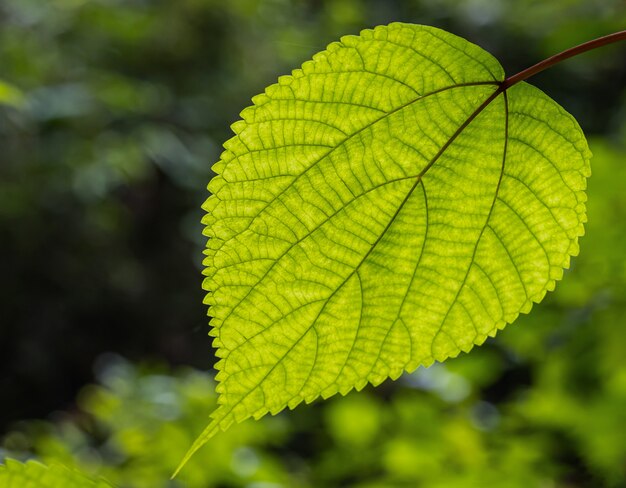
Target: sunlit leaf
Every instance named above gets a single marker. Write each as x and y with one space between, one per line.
386 206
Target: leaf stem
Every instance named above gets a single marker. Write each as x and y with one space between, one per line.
557 58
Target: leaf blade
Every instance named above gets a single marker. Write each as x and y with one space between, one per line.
317 161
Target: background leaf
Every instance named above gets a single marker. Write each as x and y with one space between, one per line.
35 475
383 207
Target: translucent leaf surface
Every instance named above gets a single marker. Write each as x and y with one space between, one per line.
385 206
35 475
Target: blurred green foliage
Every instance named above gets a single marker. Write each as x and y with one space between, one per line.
111 113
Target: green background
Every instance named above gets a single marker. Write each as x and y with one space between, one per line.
111 114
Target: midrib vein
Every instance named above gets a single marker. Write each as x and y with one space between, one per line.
326 301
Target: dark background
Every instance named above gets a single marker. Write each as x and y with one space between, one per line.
112 113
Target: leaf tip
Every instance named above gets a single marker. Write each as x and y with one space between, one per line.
212 429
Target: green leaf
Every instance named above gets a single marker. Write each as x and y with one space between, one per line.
14 474
11 95
386 206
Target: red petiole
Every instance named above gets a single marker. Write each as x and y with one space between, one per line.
557 58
